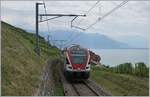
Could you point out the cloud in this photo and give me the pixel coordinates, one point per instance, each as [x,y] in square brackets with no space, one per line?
[131,19]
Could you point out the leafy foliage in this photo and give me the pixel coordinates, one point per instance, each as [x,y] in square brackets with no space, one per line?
[140,69]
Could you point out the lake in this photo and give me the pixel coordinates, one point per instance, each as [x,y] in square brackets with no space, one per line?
[113,57]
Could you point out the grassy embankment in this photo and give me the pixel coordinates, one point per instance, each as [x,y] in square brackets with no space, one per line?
[21,68]
[120,84]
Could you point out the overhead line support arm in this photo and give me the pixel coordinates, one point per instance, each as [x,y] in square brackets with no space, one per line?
[37,15]
[61,15]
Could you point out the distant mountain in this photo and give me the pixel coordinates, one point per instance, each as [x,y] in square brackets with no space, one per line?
[88,40]
[136,41]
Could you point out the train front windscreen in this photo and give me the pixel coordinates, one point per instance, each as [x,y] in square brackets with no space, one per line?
[79,57]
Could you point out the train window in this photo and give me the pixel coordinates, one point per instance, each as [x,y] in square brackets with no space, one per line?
[67,62]
[82,52]
[79,59]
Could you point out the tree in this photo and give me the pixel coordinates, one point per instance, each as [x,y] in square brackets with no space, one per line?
[141,69]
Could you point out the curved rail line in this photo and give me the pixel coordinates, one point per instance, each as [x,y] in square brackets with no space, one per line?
[82,89]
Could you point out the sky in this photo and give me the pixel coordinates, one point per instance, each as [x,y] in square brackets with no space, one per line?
[128,24]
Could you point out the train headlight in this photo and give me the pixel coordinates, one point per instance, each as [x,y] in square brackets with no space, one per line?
[69,67]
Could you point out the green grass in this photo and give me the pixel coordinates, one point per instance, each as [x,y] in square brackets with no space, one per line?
[58,85]
[21,68]
[120,84]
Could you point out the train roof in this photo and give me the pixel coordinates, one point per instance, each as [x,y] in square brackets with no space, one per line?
[74,47]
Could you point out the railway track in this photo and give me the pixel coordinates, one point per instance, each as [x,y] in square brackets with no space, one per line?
[82,88]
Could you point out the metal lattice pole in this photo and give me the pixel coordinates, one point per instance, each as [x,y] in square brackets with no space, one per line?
[37,49]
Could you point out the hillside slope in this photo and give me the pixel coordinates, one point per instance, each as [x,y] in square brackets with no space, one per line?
[21,68]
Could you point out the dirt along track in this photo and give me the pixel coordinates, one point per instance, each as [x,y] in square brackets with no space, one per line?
[45,88]
[50,79]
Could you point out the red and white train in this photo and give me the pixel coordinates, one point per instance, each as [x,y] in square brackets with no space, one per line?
[77,62]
